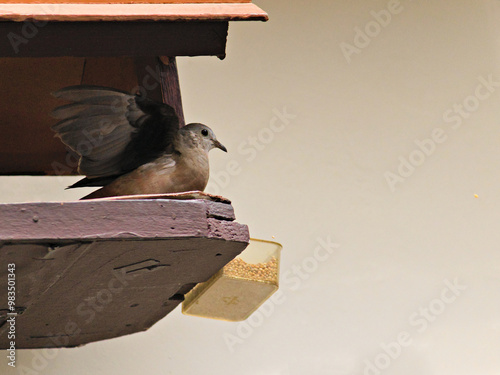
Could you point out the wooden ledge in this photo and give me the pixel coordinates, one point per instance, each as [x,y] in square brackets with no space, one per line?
[92,270]
[150,11]
[189,195]
[110,219]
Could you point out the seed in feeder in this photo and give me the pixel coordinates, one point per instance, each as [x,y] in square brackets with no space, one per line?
[264,272]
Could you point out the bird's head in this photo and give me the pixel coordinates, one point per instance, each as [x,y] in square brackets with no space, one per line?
[197,135]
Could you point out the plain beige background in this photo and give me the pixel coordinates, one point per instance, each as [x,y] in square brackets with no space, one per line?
[413,285]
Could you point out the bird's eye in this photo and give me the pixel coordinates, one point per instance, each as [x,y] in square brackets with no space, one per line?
[204,132]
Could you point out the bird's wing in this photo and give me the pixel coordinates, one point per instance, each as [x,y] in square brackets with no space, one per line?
[113,131]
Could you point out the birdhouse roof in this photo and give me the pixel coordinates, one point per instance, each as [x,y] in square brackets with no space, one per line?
[128,10]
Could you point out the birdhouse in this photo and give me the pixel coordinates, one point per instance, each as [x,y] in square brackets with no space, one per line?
[91,270]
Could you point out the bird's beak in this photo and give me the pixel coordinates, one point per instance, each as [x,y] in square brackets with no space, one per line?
[219,145]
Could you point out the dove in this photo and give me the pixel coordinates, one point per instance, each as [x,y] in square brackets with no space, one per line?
[130,145]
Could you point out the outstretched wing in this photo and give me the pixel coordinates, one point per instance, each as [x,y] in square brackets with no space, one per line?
[112,131]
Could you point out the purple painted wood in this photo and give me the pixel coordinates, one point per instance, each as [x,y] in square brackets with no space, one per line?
[93,270]
[219,211]
[109,219]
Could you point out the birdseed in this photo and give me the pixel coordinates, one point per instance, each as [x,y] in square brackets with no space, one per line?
[263,272]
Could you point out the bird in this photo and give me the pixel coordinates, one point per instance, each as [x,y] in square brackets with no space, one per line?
[130,144]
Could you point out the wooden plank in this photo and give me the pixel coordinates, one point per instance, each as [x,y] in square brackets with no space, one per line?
[73,294]
[219,211]
[27,143]
[131,12]
[116,219]
[170,87]
[117,72]
[93,270]
[148,71]
[91,39]
[159,80]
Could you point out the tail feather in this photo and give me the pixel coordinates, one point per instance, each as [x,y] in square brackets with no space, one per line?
[91,182]
[100,193]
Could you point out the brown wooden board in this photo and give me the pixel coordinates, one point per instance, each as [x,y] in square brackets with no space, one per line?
[167,88]
[113,38]
[134,11]
[93,270]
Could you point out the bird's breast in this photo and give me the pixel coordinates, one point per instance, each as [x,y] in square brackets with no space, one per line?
[164,175]
[192,170]
[189,171]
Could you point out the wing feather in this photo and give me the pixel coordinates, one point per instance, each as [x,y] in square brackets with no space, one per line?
[112,131]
